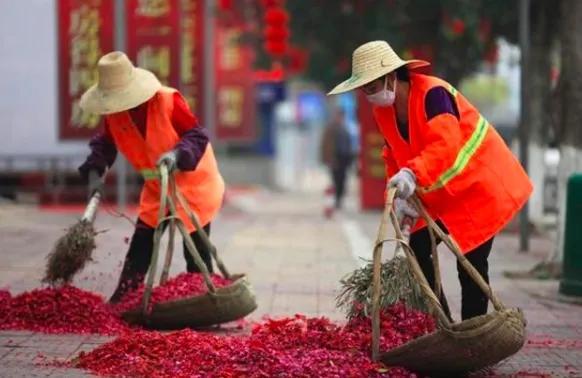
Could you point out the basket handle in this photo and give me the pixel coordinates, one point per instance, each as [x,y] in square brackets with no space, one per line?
[454,247]
[200,231]
[167,203]
[376,271]
[415,268]
[157,238]
[169,252]
[192,248]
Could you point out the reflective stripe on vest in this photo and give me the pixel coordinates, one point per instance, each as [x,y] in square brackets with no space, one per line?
[464,155]
[453,91]
[150,174]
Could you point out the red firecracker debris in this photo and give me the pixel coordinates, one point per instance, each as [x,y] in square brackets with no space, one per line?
[59,310]
[5,298]
[182,286]
[293,347]
[398,324]
[551,342]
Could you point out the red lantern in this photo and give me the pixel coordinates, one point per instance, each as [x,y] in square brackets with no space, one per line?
[276,16]
[458,27]
[297,59]
[276,33]
[276,48]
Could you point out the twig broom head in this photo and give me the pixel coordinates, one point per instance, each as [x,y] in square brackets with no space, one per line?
[70,253]
[398,285]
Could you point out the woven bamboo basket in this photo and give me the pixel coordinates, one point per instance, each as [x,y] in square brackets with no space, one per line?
[454,348]
[218,305]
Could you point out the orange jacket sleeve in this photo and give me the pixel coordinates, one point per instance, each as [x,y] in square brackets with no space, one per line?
[443,140]
[389,162]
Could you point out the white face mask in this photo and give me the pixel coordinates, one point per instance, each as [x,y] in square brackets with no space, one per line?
[384,97]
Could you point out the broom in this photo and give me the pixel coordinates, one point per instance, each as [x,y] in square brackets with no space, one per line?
[73,250]
[398,283]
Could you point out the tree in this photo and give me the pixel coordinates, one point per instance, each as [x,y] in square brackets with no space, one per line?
[544,33]
[568,107]
[566,116]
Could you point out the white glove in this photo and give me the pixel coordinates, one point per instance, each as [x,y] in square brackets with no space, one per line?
[404,209]
[170,159]
[405,183]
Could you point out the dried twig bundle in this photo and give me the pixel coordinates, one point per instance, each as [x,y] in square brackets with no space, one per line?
[70,253]
[398,285]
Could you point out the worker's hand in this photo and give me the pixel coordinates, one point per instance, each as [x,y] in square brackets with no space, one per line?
[403,210]
[405,183]
[96,183]
[170,159]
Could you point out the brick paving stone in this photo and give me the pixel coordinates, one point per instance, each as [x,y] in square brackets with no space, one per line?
[13,340]
[55,340]
[24,371]
[13,333]
[69,373]
[4,350]
[21,357]
[84,348]
[97,339]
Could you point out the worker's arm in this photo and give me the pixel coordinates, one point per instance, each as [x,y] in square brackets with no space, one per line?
[442,137]
[103,153]
[193,137]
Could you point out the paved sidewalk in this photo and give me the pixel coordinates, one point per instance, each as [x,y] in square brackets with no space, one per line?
[294,259]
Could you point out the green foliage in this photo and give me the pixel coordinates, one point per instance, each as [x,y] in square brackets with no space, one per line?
[454,32]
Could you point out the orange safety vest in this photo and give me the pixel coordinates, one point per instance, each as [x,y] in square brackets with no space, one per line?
[203,187]
[466,175]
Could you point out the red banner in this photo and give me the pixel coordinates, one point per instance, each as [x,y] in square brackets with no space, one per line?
[153,38]
[235,97]
[192,56]
[85,29]
[373,176]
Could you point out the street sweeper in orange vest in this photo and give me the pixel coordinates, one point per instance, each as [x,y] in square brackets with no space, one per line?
[440,147]
[151,125]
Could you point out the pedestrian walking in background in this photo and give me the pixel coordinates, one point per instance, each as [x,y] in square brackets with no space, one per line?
[337,153]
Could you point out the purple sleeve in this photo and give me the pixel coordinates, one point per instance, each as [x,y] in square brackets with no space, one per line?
[102,156]
[191,147]
[439,101]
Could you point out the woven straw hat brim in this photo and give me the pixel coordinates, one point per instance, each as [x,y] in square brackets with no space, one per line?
[141,88]
[359,80]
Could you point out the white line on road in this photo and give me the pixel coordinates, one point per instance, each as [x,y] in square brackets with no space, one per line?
[360,245]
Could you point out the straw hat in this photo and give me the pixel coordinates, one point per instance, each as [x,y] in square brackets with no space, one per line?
[371,61]
[121,86]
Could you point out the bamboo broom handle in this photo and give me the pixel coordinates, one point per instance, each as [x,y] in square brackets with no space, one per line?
[91,209]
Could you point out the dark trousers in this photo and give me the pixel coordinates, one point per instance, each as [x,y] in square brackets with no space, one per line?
[338,175]
[139,255]
[473,301]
